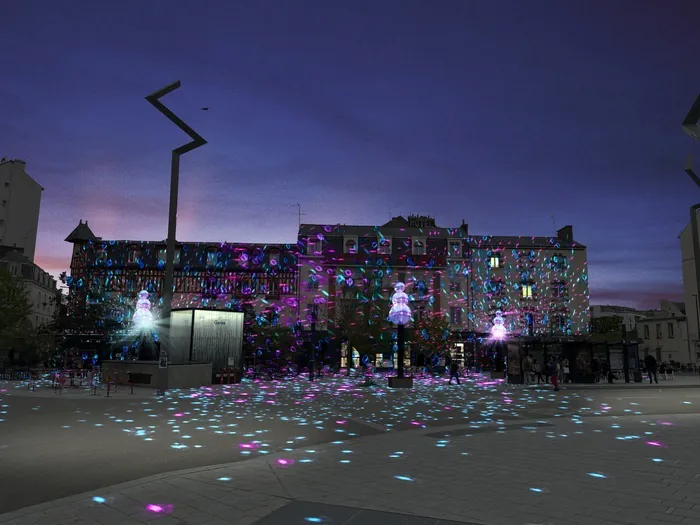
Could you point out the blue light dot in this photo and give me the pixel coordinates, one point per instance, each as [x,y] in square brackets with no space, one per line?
[99,499]
[535,489]
[597,475]
[403,478]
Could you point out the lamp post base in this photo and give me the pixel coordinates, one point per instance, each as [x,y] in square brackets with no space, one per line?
[400,382]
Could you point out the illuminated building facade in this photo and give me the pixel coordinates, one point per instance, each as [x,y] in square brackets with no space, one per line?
[218,276]
[539,284]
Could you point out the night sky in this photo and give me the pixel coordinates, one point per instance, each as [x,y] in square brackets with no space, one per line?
[512,115]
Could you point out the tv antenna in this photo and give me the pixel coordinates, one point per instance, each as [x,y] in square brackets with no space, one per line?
[299,214]
[554,221]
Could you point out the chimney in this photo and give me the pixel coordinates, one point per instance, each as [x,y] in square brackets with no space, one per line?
[465,227]
[566,234]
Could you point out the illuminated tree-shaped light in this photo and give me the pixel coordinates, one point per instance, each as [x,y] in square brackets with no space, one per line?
[400,312]
[143,318]
[498,331]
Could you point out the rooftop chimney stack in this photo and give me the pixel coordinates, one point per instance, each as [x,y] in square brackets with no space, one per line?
[566,234]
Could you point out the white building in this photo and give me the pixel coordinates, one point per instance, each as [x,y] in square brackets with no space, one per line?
[630,316]
[691,297]
[665,334]
[20,200]
[41,287]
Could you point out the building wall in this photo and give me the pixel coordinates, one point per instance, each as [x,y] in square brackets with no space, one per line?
[41,290]
[630,316]
[540,291]
[20,200]
[207,275]
[666,338]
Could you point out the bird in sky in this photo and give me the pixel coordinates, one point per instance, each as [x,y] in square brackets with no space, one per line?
[205,109]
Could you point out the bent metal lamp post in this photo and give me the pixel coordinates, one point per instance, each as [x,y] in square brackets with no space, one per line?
[197,141]
[400,314]
[691,128]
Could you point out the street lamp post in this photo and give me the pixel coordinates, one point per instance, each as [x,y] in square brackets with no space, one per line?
[196,142]
[400,314]
[691,128]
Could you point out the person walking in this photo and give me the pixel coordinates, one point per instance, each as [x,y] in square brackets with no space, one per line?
[537,371]
[454,372]
[554,374]
[567,371]
[650,361]
[527,370]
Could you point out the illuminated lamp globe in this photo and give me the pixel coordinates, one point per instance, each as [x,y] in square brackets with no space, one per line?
[143,318]
[400,312]
[498,331]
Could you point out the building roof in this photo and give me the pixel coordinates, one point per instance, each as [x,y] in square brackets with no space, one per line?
[11,255]
[82,232]
[401,227]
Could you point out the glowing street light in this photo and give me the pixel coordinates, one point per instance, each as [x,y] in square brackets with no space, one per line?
[400,314]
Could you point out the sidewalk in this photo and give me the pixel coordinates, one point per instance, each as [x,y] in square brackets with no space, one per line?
[44,389]
[598,471]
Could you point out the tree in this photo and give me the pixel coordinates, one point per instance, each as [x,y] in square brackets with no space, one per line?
[15,309]
[360,316]
[432,332]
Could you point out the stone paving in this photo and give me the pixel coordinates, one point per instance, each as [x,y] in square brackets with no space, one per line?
[629,470]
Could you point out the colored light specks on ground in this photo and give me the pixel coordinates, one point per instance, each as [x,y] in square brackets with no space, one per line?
[403,478]
[535,489]
[99,499]
[159,509]
[597,475]
[225,478]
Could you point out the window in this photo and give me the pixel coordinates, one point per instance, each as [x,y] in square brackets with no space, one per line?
[455,249]
[495,261]
[559,262]
[100,255]
[559,323]
[669,327]
[646,331]
[455,285]
[162,254]
[312,309]
[274,259]
[212,258]
[658,331]
[7,184]
[314,247]
[351,246]
[527,290]
[455,315]
[418,247]
[559,290]
[312,281]
[384,246]
[134,256]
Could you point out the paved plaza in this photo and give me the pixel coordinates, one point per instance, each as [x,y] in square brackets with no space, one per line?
[336,453]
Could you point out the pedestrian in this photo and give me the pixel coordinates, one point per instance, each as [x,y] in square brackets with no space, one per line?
[567,371]
[454,372]
[554,374]
[537,371]
[650,361]
[527,370]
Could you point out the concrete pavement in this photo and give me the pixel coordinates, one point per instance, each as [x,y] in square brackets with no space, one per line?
[632,470]
[55,447]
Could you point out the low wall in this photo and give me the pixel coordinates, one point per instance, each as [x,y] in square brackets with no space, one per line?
[148,374]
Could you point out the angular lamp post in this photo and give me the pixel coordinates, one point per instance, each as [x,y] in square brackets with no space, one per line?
[400,314]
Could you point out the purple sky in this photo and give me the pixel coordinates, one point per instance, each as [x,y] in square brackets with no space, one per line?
[504,113]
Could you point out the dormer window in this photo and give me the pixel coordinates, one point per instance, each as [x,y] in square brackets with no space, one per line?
[133,256]
[455,249]
[418,247]
[162,254]
[384,246]
[351,246]
[314,246]
[274,259]
[212,257]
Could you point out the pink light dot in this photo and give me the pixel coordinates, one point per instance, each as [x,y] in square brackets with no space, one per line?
[154,508]
[179,414]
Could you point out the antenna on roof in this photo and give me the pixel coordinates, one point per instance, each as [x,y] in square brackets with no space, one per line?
[554,221]
[298,206]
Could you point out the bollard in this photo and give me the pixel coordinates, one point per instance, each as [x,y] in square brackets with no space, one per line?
[132,387]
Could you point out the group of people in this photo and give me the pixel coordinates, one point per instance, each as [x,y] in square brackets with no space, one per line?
[556,371]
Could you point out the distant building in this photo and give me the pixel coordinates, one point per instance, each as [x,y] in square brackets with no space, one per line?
[20,201]
[691,296]
[540,284]
[665,334]
[208,275]
[630,316]
[41,287]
